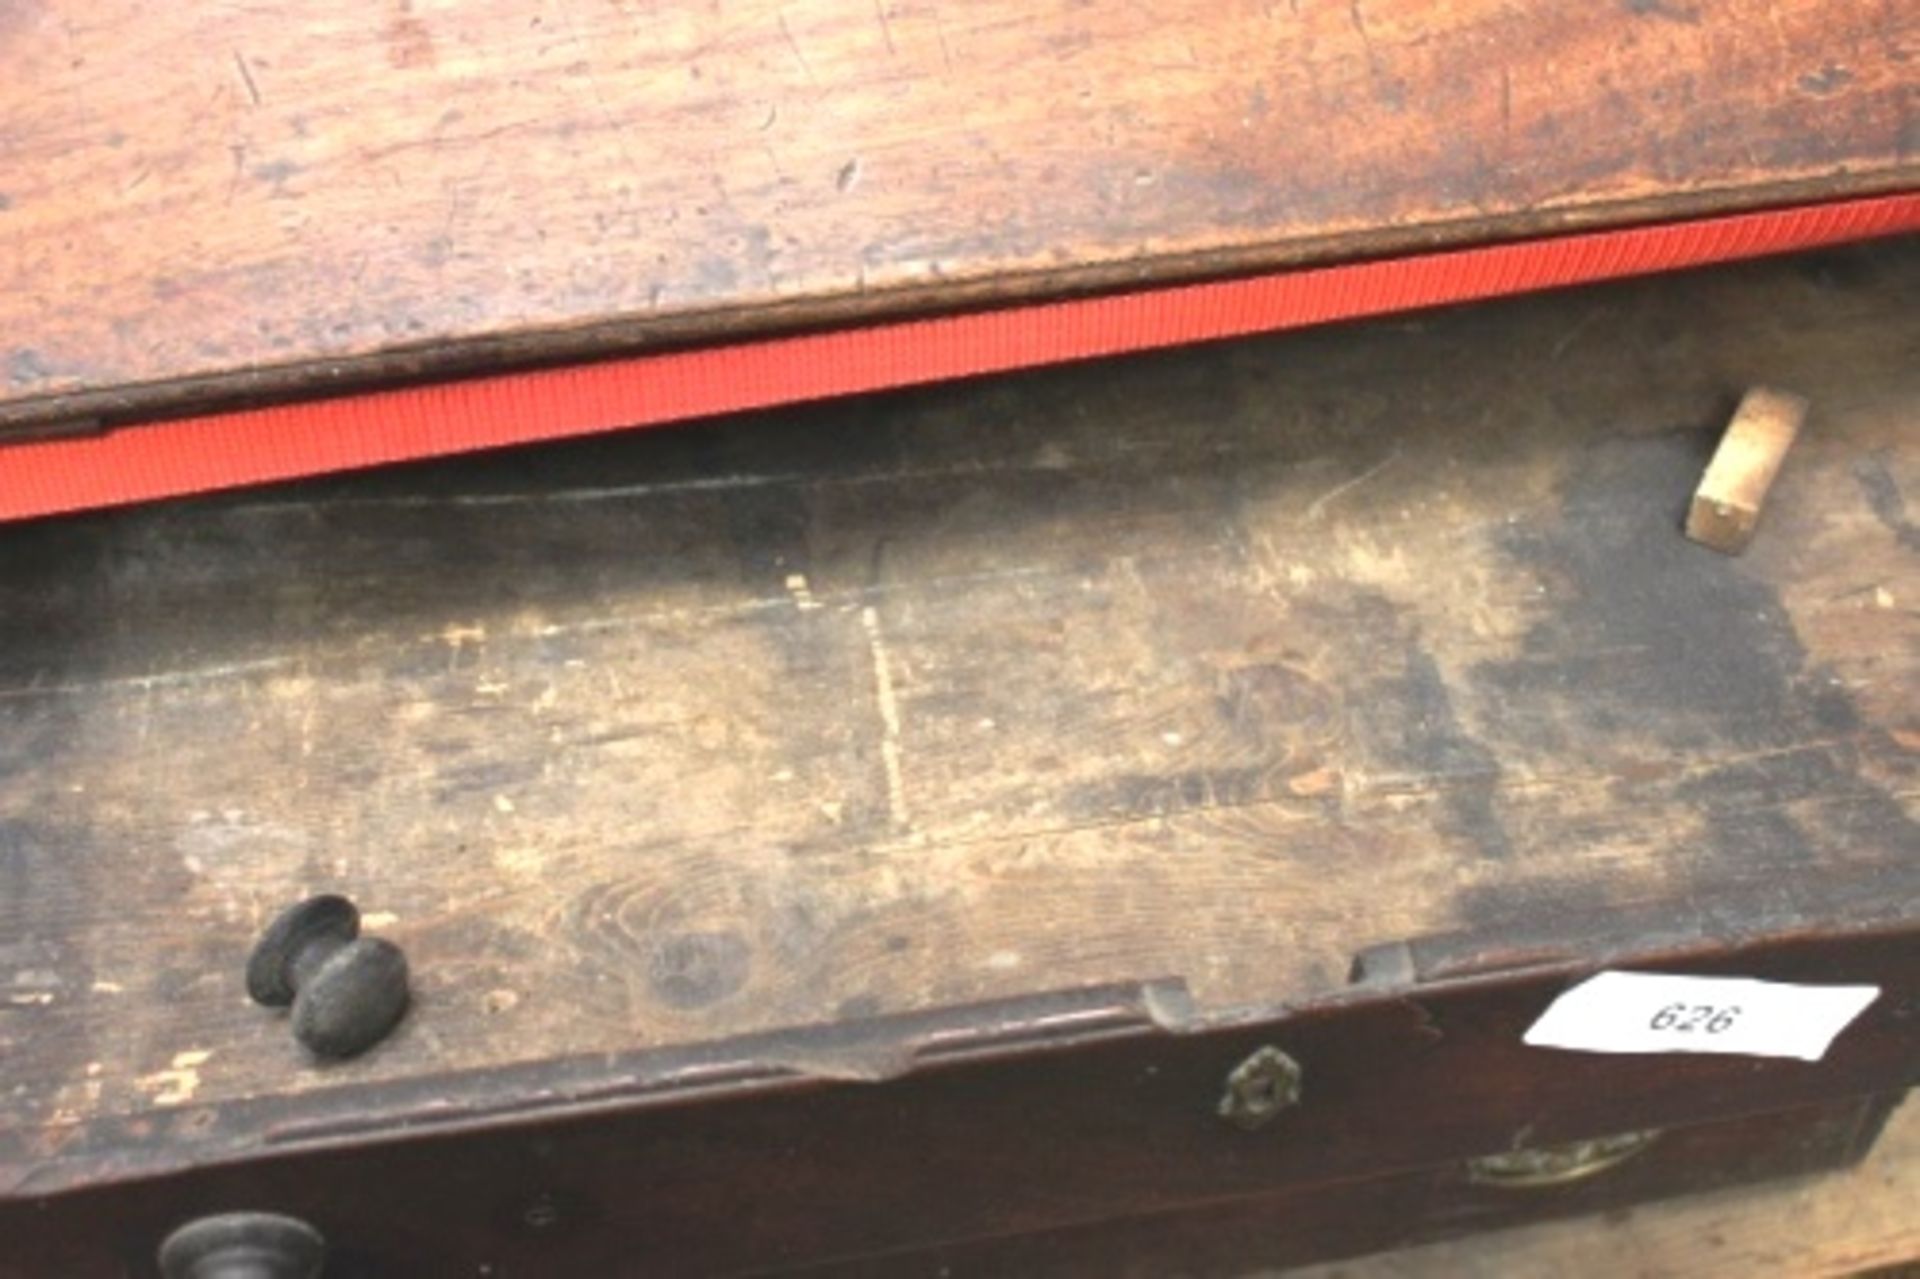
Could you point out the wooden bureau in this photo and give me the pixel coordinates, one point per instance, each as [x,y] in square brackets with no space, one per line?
[876,837]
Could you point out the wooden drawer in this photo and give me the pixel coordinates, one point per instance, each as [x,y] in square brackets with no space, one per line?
[1056,1114]
[1255,1234]
[877,835]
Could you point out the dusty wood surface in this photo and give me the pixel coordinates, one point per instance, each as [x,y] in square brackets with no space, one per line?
[198,202]
[1221,664]
[1824,1227]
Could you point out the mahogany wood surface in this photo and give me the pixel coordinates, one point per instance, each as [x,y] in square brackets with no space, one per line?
[200,203]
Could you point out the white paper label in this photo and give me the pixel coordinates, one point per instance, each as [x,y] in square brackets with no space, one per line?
[1661,1013]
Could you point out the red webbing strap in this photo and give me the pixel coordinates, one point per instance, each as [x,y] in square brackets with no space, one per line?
[224,450]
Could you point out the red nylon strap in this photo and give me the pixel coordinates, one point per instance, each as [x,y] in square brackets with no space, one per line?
[225,450]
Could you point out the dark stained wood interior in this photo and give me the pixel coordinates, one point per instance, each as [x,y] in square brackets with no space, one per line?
[199,203]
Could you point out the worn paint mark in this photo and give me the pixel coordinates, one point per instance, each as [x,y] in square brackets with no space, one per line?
[801,592]
[457,636]
[179,1082]
[889,717]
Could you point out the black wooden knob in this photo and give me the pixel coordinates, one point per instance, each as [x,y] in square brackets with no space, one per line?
[347,991]
[243,1245]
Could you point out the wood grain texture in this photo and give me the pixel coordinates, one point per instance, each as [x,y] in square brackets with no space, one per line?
[1828,1227]
[201,203]
[1221,664]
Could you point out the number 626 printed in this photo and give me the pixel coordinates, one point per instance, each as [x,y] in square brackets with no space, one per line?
[1627,1012]
[1685,1019]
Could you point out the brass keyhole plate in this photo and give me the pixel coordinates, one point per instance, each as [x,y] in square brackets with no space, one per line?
[1259,1088]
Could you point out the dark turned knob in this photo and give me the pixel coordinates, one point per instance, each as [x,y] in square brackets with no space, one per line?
[243,1245]
[347,991]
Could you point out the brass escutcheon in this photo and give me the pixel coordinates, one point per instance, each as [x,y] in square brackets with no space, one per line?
[1260,1088]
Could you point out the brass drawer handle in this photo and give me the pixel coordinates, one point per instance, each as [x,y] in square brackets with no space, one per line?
[1540,1166]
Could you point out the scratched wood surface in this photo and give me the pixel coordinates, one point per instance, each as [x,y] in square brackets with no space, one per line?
[199,202]
[1219,664]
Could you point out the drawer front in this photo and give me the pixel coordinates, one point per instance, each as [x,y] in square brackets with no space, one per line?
[1232,1240]
[905,1133]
